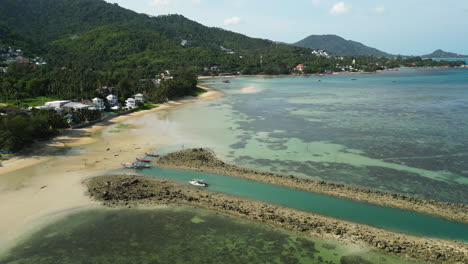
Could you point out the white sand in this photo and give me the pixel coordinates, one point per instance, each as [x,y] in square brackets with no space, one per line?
[34,188]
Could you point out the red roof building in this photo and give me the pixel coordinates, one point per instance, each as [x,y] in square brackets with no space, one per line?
[299,67]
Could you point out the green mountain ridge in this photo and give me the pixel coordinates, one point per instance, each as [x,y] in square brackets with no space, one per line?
[53,21]
[339,46]
[94,34]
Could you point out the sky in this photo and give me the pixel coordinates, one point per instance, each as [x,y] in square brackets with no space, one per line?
[407,27]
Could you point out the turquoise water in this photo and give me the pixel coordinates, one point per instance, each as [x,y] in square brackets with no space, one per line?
[378,216]
[177,235]
[452,59]
[400,131]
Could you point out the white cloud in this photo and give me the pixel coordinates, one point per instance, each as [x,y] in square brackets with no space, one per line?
[159,3]
[380,9]
[340,8]
[232,21]
[197,1]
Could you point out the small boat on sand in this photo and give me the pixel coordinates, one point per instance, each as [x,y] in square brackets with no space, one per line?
[136,165]
[143,160]
[127,166]
[152,155]
[198,183]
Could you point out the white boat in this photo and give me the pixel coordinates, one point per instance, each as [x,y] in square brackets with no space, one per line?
[198,183]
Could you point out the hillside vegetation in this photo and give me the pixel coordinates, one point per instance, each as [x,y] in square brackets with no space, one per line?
[444,54]
[91,43]
[339,46]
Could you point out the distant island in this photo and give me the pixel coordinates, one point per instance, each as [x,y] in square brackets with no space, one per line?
[444,55]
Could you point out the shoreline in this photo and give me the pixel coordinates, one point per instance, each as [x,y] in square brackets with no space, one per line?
[128,191]
[206,161]
[49,180]
[324,74]
[40,151]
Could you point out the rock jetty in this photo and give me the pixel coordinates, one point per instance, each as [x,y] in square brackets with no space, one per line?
[125,190]
[205,160]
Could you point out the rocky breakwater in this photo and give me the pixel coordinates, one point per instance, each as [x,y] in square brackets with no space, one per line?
[130,191]
[206,161]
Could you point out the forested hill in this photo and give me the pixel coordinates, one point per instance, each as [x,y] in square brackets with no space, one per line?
[444,54]
[94,34]
[43,22]
[339,46]
[46,20]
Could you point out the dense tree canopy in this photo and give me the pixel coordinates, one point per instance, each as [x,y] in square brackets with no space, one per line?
[89,44]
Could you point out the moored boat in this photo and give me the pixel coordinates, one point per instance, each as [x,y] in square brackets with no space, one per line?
[136,165]
[152,155]
[127,166]
[143,160]
[198,183]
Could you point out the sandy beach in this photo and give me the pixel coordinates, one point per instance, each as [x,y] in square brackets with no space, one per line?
[49,181]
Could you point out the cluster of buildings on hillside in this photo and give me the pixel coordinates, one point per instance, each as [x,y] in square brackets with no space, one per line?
[228,51]
[321,53]
[10,55]
[351,68]
[96,104]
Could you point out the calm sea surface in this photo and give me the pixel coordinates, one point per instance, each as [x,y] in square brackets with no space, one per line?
[403,131]
[452,59]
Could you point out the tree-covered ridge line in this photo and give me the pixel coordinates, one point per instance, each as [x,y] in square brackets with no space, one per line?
[54,24]
[339,46]
[95,34]
[89,44]
[444,54]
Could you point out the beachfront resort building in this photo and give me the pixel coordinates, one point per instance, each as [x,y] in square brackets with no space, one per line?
[139,97]
[130,103]
[57,104]
[77,106]
[99,104]
[113,100]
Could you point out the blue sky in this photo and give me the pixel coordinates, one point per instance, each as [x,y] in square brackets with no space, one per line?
[410,27]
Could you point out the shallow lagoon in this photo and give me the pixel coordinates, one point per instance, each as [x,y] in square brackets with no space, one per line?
[401,131]
[177,235]
[392,219]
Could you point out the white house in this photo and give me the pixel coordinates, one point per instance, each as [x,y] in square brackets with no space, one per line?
[99,104]
[130,103]
[112,99]
[139,97]
[57,104]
